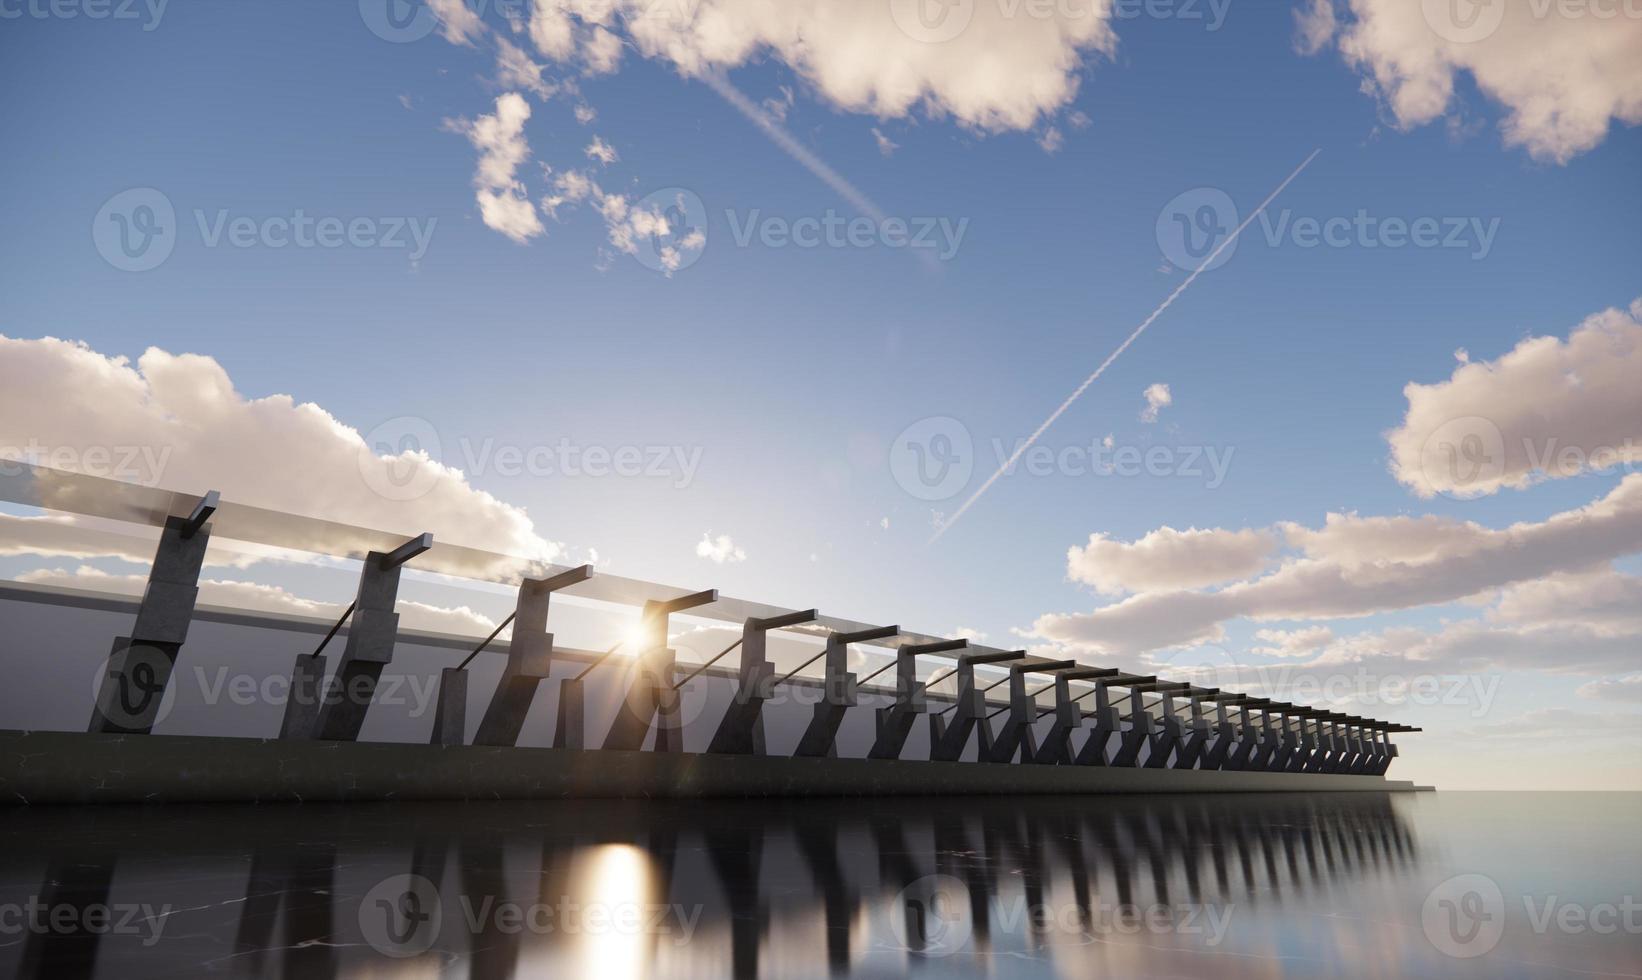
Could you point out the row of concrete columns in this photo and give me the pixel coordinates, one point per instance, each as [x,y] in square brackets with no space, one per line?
[1246,733]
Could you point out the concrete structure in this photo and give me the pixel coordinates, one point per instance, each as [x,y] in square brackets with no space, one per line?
[895,722]
[652,698]
[337,712]
[139,666]
[840,691]
[741,732]
[1017,738]
[529,658]
[949,737]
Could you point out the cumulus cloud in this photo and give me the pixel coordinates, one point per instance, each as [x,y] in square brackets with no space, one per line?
[269,599]
[601,151]
[458,23]
[719,550]
[1157,399]
[1548,408]
[1169,559]
[515,70]
[500,140]
[886,146]
[271,452]
[1355,566]
[998,72]
[1293,643]
[1562,78]
[1627,689]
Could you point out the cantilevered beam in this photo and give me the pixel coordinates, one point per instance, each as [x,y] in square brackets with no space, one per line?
[895,722]
[741,731]
[651,697]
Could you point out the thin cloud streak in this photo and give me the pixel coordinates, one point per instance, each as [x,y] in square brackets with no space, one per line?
[1074,396]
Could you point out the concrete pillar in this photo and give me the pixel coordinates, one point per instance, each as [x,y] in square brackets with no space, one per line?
[1197,736]
[139,667]
[1139,733]
[1243,750]
[651,698]
[372,631]
[741,730]
[1094,751]
[569,724]
[451,714]
[1057,745]
[1018,737]
[1270,738]
[839,693]
[529,659]
[894,723]
[1167,736]
[949,737]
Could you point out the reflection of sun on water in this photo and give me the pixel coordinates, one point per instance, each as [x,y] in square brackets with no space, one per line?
[618,882]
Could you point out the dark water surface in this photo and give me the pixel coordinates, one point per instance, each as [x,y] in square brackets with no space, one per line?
[1405,885]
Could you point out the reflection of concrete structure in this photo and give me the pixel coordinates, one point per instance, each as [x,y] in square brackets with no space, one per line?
[1150,741]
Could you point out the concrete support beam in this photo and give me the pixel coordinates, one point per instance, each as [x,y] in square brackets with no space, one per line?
[1018,737]
[839,693]
[741,730]
[372,630]
[949,737]
[529,659]
[138,671]
[450,715]
[651,697]
[1250,734]
[1107,723]
[1056,749]
[1169,732]
[1196,734]
[895,722]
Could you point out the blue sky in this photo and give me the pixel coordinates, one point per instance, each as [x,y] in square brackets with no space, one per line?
[793,370]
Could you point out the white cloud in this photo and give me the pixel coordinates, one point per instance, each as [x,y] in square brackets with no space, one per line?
[777,106]
[1314,26]
[1356,566]
[1627,689]
[515,70]
[268,452]
[1052,140]
[601,151]
[1293,643]
[966,633]
[585,114]
[999,73]
[458,23]
[1546,409]
[886,146]
[1541,723]
[1563,78]
[884,523]
[269,599]
[1170,559]
[1157,399]
[500,141]
[720,549]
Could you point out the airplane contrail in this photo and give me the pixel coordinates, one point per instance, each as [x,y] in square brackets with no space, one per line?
[1092,378]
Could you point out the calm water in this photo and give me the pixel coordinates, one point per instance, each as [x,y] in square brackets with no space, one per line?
[1451,884]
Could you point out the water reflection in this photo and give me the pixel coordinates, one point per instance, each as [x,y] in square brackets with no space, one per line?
[1039,887]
